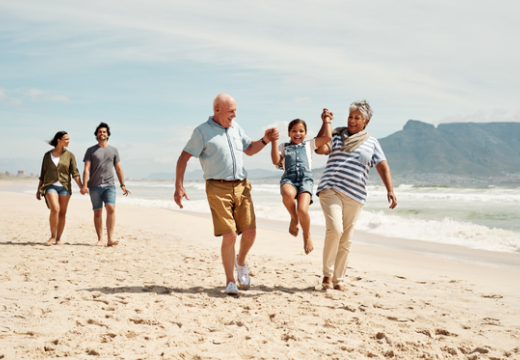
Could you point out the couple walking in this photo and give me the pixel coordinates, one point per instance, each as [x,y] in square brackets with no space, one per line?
[59,166]
[220,143]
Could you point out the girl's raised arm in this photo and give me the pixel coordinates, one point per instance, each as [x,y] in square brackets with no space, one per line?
[325,134]
[275,155]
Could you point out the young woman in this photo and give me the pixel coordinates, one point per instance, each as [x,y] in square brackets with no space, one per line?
[58,166]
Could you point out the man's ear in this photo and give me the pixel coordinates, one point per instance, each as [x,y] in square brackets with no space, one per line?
[217,108]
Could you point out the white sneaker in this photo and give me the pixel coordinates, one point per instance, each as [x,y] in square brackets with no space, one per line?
[231,289]
[242,276]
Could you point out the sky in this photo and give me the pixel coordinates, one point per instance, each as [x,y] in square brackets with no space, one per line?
[151,70]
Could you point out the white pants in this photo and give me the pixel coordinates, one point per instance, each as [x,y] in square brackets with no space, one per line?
[341,214]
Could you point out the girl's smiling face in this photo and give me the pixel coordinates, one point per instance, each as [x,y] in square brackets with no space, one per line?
[297,133]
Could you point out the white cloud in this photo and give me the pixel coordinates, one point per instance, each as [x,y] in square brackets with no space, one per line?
[41,95]
[302,100]
[58,98]
[15,101]
[438,61]
[34,92]
[496,115]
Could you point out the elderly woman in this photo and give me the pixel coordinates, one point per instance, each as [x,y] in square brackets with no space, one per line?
[342,189]
[58,166]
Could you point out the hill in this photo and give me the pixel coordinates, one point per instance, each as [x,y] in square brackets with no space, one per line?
[464,149]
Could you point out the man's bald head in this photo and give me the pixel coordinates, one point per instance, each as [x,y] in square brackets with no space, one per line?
[224,110]
[222,99]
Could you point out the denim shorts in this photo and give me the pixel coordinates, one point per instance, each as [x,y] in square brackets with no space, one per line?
[102,194]
[60,190]
[302,181]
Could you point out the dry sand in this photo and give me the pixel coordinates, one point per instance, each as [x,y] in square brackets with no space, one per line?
[159,295]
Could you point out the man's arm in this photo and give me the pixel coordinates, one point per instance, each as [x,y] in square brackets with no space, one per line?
[180,192]
[86,177]
[258,145]
[384,172]
[119,172]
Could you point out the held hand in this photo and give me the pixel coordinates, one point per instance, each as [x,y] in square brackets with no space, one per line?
[83,190]
[126,192]
[326,115]
[178,195]
[392,200]
[268,135]
[272,134]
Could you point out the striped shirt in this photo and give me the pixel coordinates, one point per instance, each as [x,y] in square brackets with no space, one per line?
[348,173]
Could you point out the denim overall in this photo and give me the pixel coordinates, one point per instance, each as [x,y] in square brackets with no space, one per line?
[297,172]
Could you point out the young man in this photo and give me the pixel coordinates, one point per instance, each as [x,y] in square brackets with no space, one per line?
[100,160]
[220,143]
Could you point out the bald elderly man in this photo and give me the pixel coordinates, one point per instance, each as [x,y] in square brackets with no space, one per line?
[219,144]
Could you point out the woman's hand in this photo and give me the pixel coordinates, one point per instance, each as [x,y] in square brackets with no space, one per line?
[326,115]
[38,195]
[392,200]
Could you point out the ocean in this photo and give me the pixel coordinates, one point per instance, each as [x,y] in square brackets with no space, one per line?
[478,217]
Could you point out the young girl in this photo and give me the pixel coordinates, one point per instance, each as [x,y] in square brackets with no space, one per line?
[297,182]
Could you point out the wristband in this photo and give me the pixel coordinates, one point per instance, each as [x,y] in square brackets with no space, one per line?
[123,185]
[263,141]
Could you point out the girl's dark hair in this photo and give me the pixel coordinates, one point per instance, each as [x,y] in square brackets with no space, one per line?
[102,125]
[59,135]
[297,121]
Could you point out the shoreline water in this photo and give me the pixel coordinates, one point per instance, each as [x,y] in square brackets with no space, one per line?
[448,252]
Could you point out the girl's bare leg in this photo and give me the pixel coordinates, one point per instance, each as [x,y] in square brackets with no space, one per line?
[288,196]
[64,203]
[54,205]
[304,200]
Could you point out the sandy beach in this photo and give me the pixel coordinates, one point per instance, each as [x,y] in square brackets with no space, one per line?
[159,294]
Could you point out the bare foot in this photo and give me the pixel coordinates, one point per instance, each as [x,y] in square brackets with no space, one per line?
[49,242]
[58,242]
[339,287]
[99,243]
[293,227]
[307,244]
[326,283]
[115,243]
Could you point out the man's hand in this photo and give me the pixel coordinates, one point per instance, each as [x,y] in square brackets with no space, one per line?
[126,192]
[272,134]
[178,195]
[83,190]
[326,115]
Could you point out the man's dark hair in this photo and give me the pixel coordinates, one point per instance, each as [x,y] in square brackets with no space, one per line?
[102,125]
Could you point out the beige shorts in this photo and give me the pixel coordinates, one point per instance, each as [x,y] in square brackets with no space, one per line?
[231,206]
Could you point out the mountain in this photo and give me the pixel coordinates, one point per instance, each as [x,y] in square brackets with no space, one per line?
[474,149]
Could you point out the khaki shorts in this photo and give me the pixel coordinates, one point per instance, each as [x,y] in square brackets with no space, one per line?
[231,206]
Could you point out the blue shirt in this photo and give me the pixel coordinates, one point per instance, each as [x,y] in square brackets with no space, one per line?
[220,151]
[348,173]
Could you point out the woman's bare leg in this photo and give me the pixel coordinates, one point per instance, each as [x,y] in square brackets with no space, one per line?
[64,203]
[54,206]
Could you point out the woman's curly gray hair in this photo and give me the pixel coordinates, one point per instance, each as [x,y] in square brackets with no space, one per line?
[364,108]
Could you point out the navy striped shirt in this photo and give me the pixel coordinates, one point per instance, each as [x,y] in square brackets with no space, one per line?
[348,173]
